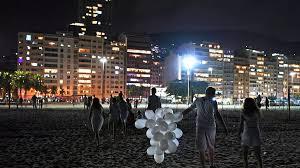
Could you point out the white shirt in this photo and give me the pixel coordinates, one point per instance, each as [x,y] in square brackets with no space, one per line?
[205,112]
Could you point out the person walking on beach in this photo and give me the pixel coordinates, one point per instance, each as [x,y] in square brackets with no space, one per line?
[84,102]
[96,118]
[34,101]
[41,103]
[153,101]
[130,119]
[136,102]
[114,114]
[258,101]
[89,102]
[123,112]
[207,111]
[250,132]
[267,102]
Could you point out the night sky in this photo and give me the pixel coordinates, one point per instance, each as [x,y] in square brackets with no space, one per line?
[277,19]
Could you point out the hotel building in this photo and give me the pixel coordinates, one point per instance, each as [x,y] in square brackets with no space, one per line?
[75,65]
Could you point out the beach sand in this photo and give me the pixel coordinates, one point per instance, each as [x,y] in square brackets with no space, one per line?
[61,138]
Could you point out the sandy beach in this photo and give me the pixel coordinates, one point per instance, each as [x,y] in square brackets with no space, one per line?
[61,138]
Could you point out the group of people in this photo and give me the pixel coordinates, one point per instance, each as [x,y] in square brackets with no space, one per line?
[207,112]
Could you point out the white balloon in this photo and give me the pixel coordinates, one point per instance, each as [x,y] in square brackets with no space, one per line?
[150,114]
[172,147]
[151,150]
[150,123]
[153,142]
[149,133]
[178,117]
[170,136]
[176,142]
[163,126]
[159,158]
[158,151]
[158,113]
[140,123]
[158,136]
[178,133]
[169,118]
[163,144]
[168,110]
[172,126]
[155,129]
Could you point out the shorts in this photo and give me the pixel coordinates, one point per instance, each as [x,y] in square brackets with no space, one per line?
[205,138]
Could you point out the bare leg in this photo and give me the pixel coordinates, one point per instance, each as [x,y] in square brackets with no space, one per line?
[245,153]
[202,158]
[211,153]
[257,151]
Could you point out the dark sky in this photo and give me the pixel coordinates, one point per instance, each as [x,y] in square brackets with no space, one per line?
[275,18]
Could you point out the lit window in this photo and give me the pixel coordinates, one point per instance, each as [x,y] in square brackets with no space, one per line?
[28,47]
[28,53]
[40,48]
[28,58]
[40,38]
[94,22]
[99,23]
[117,72]
[34,64]
[51,43]
[61,81]
[62,45]
[28,37]
[99,5]
[84,70]
[117,67]
[116,49]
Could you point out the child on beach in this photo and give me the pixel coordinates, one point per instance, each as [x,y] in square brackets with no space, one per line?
[249,131]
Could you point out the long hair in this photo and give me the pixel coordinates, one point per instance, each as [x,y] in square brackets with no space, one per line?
[250,107]
[96,104]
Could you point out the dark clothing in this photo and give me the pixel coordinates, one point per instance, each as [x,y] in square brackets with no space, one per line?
[153,102]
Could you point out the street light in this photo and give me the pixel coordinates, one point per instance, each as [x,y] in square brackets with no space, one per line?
[189,62]
[103,60]
[210,70]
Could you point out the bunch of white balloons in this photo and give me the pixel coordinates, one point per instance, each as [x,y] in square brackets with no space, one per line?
[162,132]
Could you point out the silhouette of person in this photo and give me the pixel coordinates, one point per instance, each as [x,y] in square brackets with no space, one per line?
[34,99]
[267,102]
[41,103]
[153,101]
[130,119]
[258,101]
[85,101]
[114,114]
[96,118]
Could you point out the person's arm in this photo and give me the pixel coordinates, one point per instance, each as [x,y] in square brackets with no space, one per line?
[220,118]
[191,108]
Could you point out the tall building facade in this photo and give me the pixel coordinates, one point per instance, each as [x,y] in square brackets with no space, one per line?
[144,69]
[210,65]
[94,18]
[76,66]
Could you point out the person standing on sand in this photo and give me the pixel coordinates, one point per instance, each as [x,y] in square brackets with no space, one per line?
[84,102]
[207,111]
[34,99]
[153,101]
[267,102]
[249,131]
[96,118]
[114,110]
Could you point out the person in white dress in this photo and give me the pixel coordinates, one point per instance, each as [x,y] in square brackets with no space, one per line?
[249,131]
[96,118]
[207,111]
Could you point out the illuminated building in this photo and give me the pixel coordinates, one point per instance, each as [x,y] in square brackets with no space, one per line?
[211,66]
[144,70]
[293,76]
[74,64]
[94,18]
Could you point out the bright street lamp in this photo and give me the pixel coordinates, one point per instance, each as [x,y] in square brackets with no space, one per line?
[103,60]
[210,70]
[189,62]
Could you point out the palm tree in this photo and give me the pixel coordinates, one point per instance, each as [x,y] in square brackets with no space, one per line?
[28,84]
[18,81]
[5,83]
[62,92]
